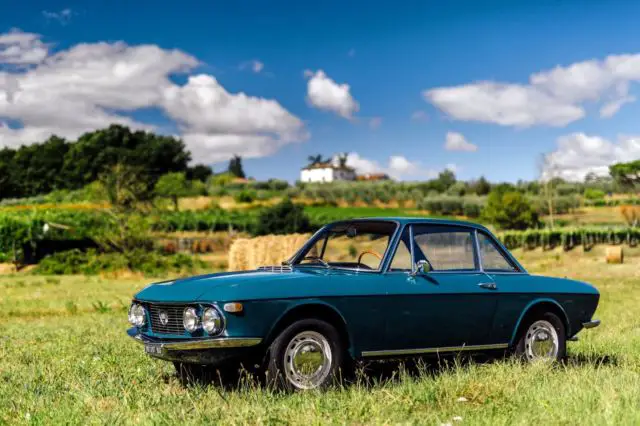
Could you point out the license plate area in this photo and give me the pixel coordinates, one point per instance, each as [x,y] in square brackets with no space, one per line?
[153,349]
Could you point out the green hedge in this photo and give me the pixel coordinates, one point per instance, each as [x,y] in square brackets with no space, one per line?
[569,238]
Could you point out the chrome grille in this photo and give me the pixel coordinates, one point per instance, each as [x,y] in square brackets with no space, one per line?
[174,316]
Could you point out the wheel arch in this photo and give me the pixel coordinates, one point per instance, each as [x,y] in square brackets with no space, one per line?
[311,309]
[536,306]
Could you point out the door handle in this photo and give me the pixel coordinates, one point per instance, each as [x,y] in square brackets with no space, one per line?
[488,286]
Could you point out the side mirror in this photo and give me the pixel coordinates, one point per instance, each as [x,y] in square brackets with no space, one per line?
[422,268]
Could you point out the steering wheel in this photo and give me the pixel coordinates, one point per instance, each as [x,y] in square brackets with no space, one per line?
[371,252]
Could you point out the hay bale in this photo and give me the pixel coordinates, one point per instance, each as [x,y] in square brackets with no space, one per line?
[614,254]
[250,253]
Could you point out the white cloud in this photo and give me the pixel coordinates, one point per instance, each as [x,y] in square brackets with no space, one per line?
[220,123]
[325,94]
[401,166]
[610,109]
[398,167]
[21,49]
[553,97]
[351,53]
[419,116]
[578,154]
[504,104]
[254,65]
[63,17]
[363,165]
[457,142]
[90,86]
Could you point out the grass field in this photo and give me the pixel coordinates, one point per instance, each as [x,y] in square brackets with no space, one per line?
[64,358]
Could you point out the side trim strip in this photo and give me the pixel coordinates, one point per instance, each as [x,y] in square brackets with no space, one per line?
[435,350]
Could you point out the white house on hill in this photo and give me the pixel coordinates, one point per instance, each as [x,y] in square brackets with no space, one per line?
[327,171]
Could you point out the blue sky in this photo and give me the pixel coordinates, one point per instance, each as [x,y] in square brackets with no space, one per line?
[414,69]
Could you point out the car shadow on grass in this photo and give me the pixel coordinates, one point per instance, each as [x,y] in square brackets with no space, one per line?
[593,359]
[373,374]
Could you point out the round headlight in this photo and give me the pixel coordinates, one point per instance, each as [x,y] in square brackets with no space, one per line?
[212,321]
[137,315]
[190,319]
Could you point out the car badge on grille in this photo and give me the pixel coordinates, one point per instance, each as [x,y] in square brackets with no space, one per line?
[164,317]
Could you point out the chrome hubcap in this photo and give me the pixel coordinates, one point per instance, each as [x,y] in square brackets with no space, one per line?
[541,341]
[307,360]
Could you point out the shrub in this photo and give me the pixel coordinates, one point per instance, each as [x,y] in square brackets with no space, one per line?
[442,205]
[282,218]
[245,196]
[92,263]
[510,210]
[593,194]
[472,208]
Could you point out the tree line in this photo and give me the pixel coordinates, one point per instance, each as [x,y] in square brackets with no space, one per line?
[57,163]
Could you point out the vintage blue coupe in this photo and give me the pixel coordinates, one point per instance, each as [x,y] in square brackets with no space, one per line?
[359,289]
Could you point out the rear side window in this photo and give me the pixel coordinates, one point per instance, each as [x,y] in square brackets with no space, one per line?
[491,256]
[446,249]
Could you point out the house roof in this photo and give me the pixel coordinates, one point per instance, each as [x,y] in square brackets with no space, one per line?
[328,166]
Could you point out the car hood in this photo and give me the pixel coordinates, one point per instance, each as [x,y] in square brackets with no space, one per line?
[236,286]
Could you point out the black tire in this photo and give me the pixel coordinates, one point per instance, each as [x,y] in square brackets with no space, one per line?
[277,375]
[521,349]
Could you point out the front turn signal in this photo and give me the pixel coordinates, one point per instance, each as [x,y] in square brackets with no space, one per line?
[234,307]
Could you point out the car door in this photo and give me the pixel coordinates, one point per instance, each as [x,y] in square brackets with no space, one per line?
[452,305]
[513,287]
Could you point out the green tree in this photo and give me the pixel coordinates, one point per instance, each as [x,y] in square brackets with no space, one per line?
[150,154]
[173,186]
[627,175]
[458,189]
[34,169]
[445,179]
[123,187]
[7,179]
[481,186]
[510,210]
[283,218]
[199,172]
[235,167]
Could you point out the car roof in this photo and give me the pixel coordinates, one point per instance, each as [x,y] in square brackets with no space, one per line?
[402,220]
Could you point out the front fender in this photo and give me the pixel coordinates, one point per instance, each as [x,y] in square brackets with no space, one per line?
[532,305]
[315,308]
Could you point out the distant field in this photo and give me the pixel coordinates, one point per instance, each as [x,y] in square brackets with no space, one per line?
[329,213]
[64,358]
[595,216]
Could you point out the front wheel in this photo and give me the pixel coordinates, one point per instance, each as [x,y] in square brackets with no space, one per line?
[544,338]
[306,355]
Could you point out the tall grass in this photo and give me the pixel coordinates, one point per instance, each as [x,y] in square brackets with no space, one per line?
[64,359]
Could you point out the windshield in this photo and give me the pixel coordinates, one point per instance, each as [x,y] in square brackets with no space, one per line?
[360,245]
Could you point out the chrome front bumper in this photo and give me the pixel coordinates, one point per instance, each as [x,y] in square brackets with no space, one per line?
[591,324]
[192,350]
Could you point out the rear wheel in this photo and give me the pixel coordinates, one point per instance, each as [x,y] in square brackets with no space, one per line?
[543,338]
[308,354]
